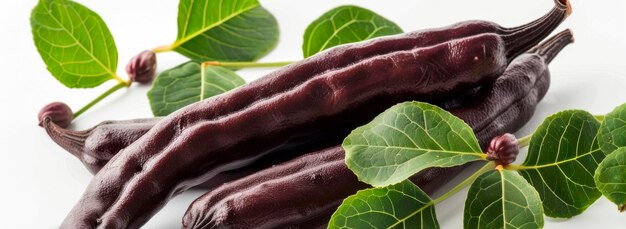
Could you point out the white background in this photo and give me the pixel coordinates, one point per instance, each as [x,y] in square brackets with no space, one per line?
[41,182]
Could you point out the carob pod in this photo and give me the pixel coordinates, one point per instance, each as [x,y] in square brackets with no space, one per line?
[321,178]
[76,142]
[290,193]
[95,146]
[197,142]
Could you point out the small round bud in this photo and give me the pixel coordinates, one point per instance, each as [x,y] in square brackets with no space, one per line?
[142,67]
[59,113]
[503,149]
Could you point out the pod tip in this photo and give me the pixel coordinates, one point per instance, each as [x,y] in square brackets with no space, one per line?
[572,37]
[567,5]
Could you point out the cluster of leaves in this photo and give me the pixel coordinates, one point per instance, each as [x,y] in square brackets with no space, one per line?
[80,52]
[565,170]
[610,177]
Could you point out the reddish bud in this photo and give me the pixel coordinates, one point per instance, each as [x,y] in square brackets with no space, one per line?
[503,149]
[142,67]
[59,113]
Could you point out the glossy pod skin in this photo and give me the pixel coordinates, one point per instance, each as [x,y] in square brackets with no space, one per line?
[304,190]
[94,158]
[95,146]
[203,139]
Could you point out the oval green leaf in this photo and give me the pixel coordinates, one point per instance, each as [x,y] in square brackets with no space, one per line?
[562,158]
[403,205]
[612,133]
[185,84]
[502,199]
[224,30]
[610,177]
[406,139]
[74,42]
[345,24]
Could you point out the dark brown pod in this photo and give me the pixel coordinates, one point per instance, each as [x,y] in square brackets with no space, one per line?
[94,147]
[56,112]
[284,195]
[235,202]
[142,67]
[503,149]
[233,129]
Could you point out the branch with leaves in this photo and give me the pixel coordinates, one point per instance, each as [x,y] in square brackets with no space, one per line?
[216,36]
[85,56]
[565,170]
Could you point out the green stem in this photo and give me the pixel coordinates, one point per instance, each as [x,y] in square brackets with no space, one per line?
[120,80]
[164,48]
[465,183]
[600,118]
[247,64]
[524,141]
[99,98]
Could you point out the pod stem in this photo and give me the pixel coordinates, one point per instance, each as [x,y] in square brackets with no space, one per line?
[518,40]
[70,140]
[551,48]
[101,97]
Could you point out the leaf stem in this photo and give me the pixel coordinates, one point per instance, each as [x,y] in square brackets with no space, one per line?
[600,118]
[524,141]
[120,80]
[102,96]
[164,48]
[465,183]
[246,64]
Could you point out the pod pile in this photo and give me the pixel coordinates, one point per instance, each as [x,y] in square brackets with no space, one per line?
[298,116]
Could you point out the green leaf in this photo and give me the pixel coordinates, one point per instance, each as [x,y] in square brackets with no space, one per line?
[612,133]
[185,84]
[74,42]
[403,205]
[562,158]
[502,199]
[345,24]
[406,139]
[224,30]
[610,177]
